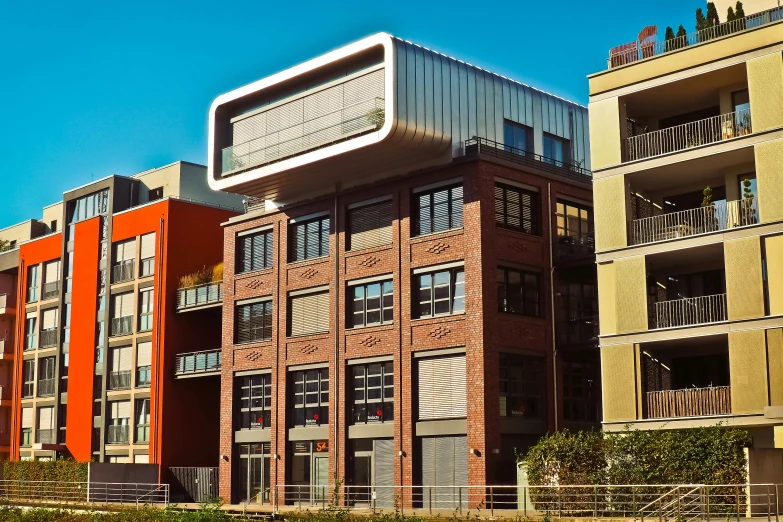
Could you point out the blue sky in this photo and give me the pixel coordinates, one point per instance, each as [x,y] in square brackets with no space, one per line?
[90,89]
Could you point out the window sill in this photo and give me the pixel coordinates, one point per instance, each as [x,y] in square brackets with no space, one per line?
[439,316]
[302,261]
[310,334]
[430,235]
[257,271]
[366,326]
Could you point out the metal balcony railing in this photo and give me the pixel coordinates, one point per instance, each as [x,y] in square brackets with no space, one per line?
[46,436]
[120,380]
[198,362]
[199,295]
[355,118]
[122,325]
[252,203]
[689,135]
[634,52]
[691,402]
[45,387]
[509,153]
[571,332]
[123,271]
[118,434]
[50,290]
[722,215]
[48,338]
[575,247]
[690,311]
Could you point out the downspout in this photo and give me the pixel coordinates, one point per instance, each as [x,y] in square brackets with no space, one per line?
[21,318]
[552,300]
[159,362]
[337,288]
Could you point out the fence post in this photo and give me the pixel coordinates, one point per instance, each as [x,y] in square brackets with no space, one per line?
[595,501]
[491,502]
[525,492]
[738,501]
[459,498]
[429,490]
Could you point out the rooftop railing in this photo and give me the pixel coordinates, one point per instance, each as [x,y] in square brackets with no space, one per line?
[195,363]
[200,295]
[690,402]
[509,153]
[690,311]
[689,135]
[634,52]
[721,215]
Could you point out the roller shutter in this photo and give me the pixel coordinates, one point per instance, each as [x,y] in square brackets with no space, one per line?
[49,319]
[123,305]
[144,354]
[121,359]
[52,272]
[442,389]
[120,410]
[27,417]
[46,418]
[371,226]
[148,246]
[384,473]
[125,251]
[310,313]
[445,472]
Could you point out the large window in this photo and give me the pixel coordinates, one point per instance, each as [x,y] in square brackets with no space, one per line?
[437,210]
[573,220]
[373,392]
[254,250]
[308,239]
[118,430]
[146,305]
[147,255]
[48,327]
[370,225]
[46,373]
[121,365]
[516,136]
[142,420]
[143,364]
[519,292]
[30,337]
[556,150]
[311,397]
[309,313]
[255,401]
[373,303]
[580,391]
[28,378]
[517,209]
[124,260]
[51,287]
[33,283]
[253,322]
[440,292]
[521,386]
[122,314]
[27,427]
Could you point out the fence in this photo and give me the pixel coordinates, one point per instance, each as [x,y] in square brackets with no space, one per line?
[17,491]
[195,484]
[691,402]
[199,295]
[690,310]
[516,155]
[122,325]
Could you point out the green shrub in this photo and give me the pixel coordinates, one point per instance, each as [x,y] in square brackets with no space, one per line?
[52,471]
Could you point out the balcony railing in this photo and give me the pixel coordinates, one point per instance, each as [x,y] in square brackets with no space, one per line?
[198,362]
[48,338]
[123,271]
[634,52]
[571,332]
[119,380]
[689,135]
[51,290]
[509,153]
[200,295]
[691,402]
[349,120]
[118,434]
[252,203]
[575,247]
[690,311]
[45,387]
[722,215]
[45,436]
[122,325]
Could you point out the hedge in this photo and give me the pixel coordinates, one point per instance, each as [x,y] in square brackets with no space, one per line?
[52,471]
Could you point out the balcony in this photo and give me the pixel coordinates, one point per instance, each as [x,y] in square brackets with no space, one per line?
[118,434]
[690,311]
[691,402]
[577,332]
[207,295]
[120,380]
[198,364]
[50,290]
[6,304]
[45,387]
[122,272]
[122,325]
[636,51]
[47,436]
[48,338]
[688,135]
[721,215]
[573,248]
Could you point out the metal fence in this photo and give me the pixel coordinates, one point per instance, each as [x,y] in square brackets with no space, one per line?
[122,271]
[122,325]
[690,402]
[119,380]
[118,434]
[195,484]
[198,362]
[507,152]
[690,310]
[199,295]
[16,491]
[50,290]
[721,215]
[49,337]
[688,135]
[45,387]
[634,52]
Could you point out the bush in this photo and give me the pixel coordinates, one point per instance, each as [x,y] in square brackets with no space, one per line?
[51,471]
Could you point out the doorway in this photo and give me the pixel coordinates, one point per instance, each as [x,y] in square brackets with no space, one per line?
[309,472]
[254,464]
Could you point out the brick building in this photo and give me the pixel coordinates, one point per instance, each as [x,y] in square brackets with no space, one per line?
[410,296]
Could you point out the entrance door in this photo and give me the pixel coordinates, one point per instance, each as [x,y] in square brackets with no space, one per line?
[321,478]
[362,479]
[254,473]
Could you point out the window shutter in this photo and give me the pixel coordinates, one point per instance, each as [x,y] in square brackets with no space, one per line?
[52,272]
[45,418]
[27,417]
[126,250]
[148,246]
[461,464]
[442,390]
[121,359]
[310,314]
[500,210]
[123,305]
[50,319]
[123,409]
[144,354]
[371,226]
[384,472]
[456,207]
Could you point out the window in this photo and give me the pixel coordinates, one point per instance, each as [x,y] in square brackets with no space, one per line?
[118,431]
[142,420]
[46,371]
[48,327]
[253,322]
[254,251]
[740,100]
[580,391]
[45,433]
[517,209]
[311,397]
[146,305]
[441,292]
[147,255]
[27,427]
[124,257]
[30,325]
[521,386]
[28,379]
[519,292]
[155,194]
[556,150]
[442,387]
[517,137]
[580,300]
[373,392]
[121,365]
[573,220]
[309,313]
[437,210]
[51,287]
[53,226]
[373,303]
[370,225]
[308,239]
[255,401]
[122,314]
[32,283]
[143,364]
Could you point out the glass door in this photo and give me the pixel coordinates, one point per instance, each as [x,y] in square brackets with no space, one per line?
[362,479]
[321,476]
[254,474]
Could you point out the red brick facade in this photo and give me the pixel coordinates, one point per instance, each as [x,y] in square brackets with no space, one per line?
[481,330]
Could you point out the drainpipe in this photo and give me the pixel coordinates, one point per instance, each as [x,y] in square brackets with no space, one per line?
[158,333]
[552,299]
[21,319]
[337,288]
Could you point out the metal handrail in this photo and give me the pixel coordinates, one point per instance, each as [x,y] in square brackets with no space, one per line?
[198,295]
[721,215]
[495,148]
[575,246]
[50,290]
[48,338]
[198,362]
[689,311]
[83,493]
[688,402]
[635,52]
[688,135]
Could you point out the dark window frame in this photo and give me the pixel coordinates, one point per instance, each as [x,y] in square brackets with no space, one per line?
[521,386]
[365,410]
[563,230]
[522,304]
[385,307]
[456,295]
[263,313]
[248,408]
[502,209]
[247,262]
[588,401]
[305,413]
[455,205]
[295,231]
[566,147]
[28,378]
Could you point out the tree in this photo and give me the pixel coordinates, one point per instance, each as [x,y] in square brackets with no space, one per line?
[4,245]
[681,32]
[713,20]
[701,22]
[730,16]
[738,11]
[670,44]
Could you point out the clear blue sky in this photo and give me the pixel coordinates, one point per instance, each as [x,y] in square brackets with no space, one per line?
[90,89]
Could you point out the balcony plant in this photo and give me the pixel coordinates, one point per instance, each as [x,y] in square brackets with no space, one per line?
[376,117]
[710,217]
[748,213]
[192,284]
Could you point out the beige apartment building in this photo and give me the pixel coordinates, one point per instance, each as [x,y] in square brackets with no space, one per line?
[687,154]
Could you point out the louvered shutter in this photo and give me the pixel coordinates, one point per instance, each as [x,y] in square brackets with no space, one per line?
[27,417]
[49,319]
[148,246]
[45,418]
[456,206]
[123,409]
[442,390]
[123,305]
[371,226]
[52,272]
[461,463]
[144,354]
[384,472]
[310,313]
[121,359]
[500,206]
[428,461]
